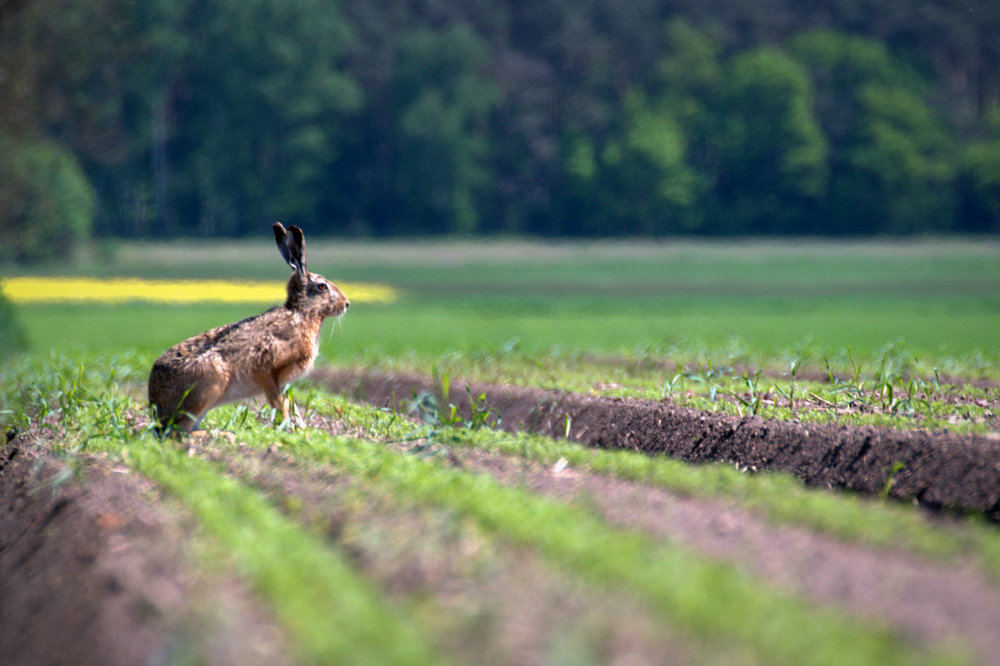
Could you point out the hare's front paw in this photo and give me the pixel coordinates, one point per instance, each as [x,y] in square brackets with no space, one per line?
[203,437]
[293,421]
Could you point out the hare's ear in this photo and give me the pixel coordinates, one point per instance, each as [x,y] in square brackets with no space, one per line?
[292,246]
[299,246]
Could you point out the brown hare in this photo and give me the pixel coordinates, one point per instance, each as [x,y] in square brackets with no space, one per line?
[260,354]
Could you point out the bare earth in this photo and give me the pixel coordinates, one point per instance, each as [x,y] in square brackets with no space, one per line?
[97,567]
[938,469]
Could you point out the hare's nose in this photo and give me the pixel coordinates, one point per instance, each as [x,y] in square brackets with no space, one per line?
[347,304]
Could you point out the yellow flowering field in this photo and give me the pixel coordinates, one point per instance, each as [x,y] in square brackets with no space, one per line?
[117,290]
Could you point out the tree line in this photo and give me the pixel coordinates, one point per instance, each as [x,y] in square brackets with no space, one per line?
[410,117]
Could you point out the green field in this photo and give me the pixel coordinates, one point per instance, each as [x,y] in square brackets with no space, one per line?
[935,299]
[406,537]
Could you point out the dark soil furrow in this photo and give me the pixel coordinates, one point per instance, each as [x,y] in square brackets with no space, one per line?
[938,469]
[93,570]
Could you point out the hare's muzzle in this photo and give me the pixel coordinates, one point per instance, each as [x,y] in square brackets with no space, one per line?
[338,302]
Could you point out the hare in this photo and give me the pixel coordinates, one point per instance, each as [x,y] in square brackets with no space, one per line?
[260,354]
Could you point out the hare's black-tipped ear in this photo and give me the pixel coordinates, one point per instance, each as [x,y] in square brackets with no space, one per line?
[292,245]
[299,239]
[279,233]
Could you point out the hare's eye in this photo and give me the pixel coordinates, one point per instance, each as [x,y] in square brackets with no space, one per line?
[321,286]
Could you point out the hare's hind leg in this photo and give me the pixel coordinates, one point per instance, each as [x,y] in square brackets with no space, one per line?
[184,412]
[203,398]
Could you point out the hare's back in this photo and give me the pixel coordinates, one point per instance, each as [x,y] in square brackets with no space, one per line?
[238,337]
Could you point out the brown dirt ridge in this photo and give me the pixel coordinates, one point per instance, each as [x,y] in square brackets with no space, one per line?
[936,469]
[94,570]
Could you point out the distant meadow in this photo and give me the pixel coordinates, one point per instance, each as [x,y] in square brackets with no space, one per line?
[767,302]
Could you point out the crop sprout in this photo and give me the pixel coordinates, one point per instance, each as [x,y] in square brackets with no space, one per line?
[790,393]
[752,401]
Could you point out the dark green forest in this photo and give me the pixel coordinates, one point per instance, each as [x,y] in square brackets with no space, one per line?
[556,118]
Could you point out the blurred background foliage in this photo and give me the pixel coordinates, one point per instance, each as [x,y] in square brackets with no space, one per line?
[558,118]
[12,337]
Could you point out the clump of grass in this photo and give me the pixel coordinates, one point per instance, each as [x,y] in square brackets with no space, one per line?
[54,390]
[751,399]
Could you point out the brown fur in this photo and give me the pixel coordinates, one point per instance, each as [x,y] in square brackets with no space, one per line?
[260,354]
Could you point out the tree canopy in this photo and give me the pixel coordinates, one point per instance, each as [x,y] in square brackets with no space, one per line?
[407,117]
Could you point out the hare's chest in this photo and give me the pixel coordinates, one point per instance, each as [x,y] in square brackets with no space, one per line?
[301,361]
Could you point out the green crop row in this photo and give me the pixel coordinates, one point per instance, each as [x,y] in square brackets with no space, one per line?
[778,496]
[893,389]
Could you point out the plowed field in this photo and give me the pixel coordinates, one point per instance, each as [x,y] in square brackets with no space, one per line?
[368,535]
